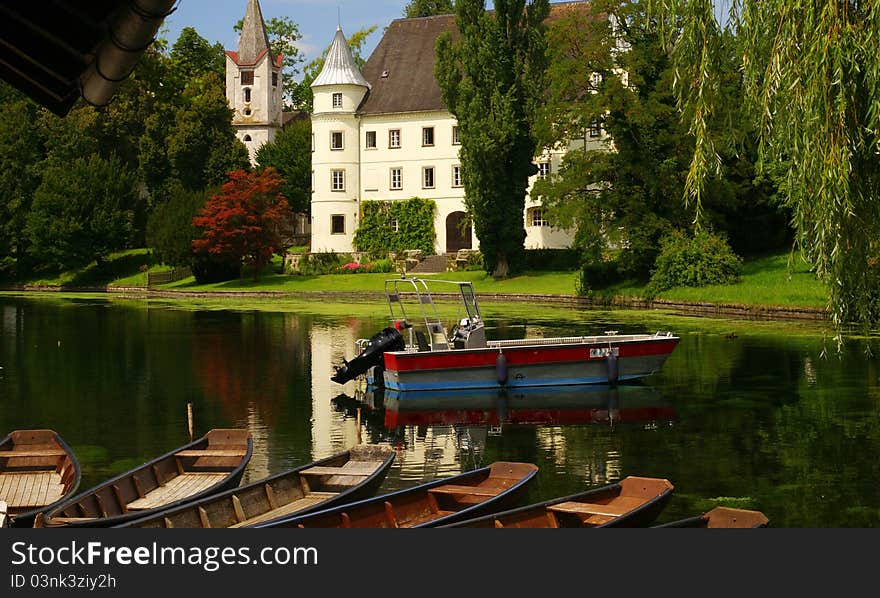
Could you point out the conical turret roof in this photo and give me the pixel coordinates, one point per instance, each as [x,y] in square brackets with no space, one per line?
[254,40]
[339,67]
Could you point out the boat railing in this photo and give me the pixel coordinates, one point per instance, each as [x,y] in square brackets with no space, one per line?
[568,340]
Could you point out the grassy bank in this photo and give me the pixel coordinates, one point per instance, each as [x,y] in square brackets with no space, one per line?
[767,281]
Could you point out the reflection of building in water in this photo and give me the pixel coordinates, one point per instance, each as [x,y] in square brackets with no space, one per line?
[258,467]
[331,431]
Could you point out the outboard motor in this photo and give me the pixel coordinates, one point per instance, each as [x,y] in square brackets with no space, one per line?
[388,339]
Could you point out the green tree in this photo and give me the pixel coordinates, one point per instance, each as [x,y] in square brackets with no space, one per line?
[627,194]
[193,56]
[283,35]
[194,144]
[291,155]
[82,211]
[313,69]
[21,159]
[170,231]
[811,71]
[428,8]
[491,80]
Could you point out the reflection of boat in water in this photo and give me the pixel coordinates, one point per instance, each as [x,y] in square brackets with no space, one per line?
[552,405]
[421,354]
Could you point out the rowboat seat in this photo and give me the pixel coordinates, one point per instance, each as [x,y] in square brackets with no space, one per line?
[312,498]
[584,508]
[30,489]
[355,468]
[33,453]
[182,486]
[211,453]
[474,490]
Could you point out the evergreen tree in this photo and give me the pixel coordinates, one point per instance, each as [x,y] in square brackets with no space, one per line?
[491,80]
[21,160]
[428,8]
[290,154]
[82,211]
[170,231]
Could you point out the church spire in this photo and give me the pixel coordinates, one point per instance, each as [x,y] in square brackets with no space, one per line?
[254,40]
[340,67]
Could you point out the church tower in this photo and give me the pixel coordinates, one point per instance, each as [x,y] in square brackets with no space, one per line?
[253,83]
[338,92]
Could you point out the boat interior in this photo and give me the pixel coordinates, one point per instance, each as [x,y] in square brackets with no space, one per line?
[35,470]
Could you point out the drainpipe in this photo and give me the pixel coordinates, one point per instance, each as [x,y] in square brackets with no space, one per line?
[132,31]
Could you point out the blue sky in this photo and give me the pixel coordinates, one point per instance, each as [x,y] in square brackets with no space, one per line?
[317,19]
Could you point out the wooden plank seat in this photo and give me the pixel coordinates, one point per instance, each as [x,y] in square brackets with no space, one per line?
[211,453]
[33,453]
[347,471]
[30,489]
[474,490]
[182,486]
[584,508]
[312,498]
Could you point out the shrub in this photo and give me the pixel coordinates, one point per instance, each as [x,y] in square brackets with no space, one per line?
[207,269]
[314,264]
[701,260]
[596,275]
[384,265]
[552,260]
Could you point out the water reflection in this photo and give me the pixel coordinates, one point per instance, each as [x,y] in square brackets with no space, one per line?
[761,420]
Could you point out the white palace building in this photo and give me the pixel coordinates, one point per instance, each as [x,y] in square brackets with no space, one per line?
[378,134]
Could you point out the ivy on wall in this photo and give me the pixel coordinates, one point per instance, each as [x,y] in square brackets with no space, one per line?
[396,226]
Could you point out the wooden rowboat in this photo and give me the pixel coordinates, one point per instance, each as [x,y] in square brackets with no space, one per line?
[210,464]
[342,478]
[723,517]
[37,472]
[441,501]
[632,502]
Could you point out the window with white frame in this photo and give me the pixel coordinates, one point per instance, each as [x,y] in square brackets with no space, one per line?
[595,128]
[537,217]
[337,100]
[427,136]
[543,170]
[455,138]
[456,176]
[395,225]
[337,180]
[394,138]
[337,140]
[396,179]
[428,177]
[371,140]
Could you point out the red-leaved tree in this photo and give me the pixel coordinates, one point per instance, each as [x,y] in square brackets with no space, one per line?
[245,222]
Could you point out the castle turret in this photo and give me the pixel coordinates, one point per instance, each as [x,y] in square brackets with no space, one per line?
[338,91]
[253,83]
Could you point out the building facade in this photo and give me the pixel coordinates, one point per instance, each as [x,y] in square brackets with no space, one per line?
[384,134]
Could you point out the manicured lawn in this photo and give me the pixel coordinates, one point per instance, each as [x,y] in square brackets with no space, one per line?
[546,283]
[765,281]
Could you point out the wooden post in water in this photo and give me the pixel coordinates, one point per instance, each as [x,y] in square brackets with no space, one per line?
[189,420]
[359,425]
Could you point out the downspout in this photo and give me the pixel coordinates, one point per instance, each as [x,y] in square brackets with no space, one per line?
[131,33]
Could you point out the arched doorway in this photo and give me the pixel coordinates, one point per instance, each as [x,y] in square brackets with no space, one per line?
[458,234]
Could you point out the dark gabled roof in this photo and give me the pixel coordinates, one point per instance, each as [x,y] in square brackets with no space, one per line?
[401,68]
[48,49]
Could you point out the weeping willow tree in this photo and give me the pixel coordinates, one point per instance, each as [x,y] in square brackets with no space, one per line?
[812,74]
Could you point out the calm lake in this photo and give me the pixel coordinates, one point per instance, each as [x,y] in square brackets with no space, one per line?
[755,415]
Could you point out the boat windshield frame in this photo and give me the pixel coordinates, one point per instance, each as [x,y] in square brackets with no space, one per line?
[419,289]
